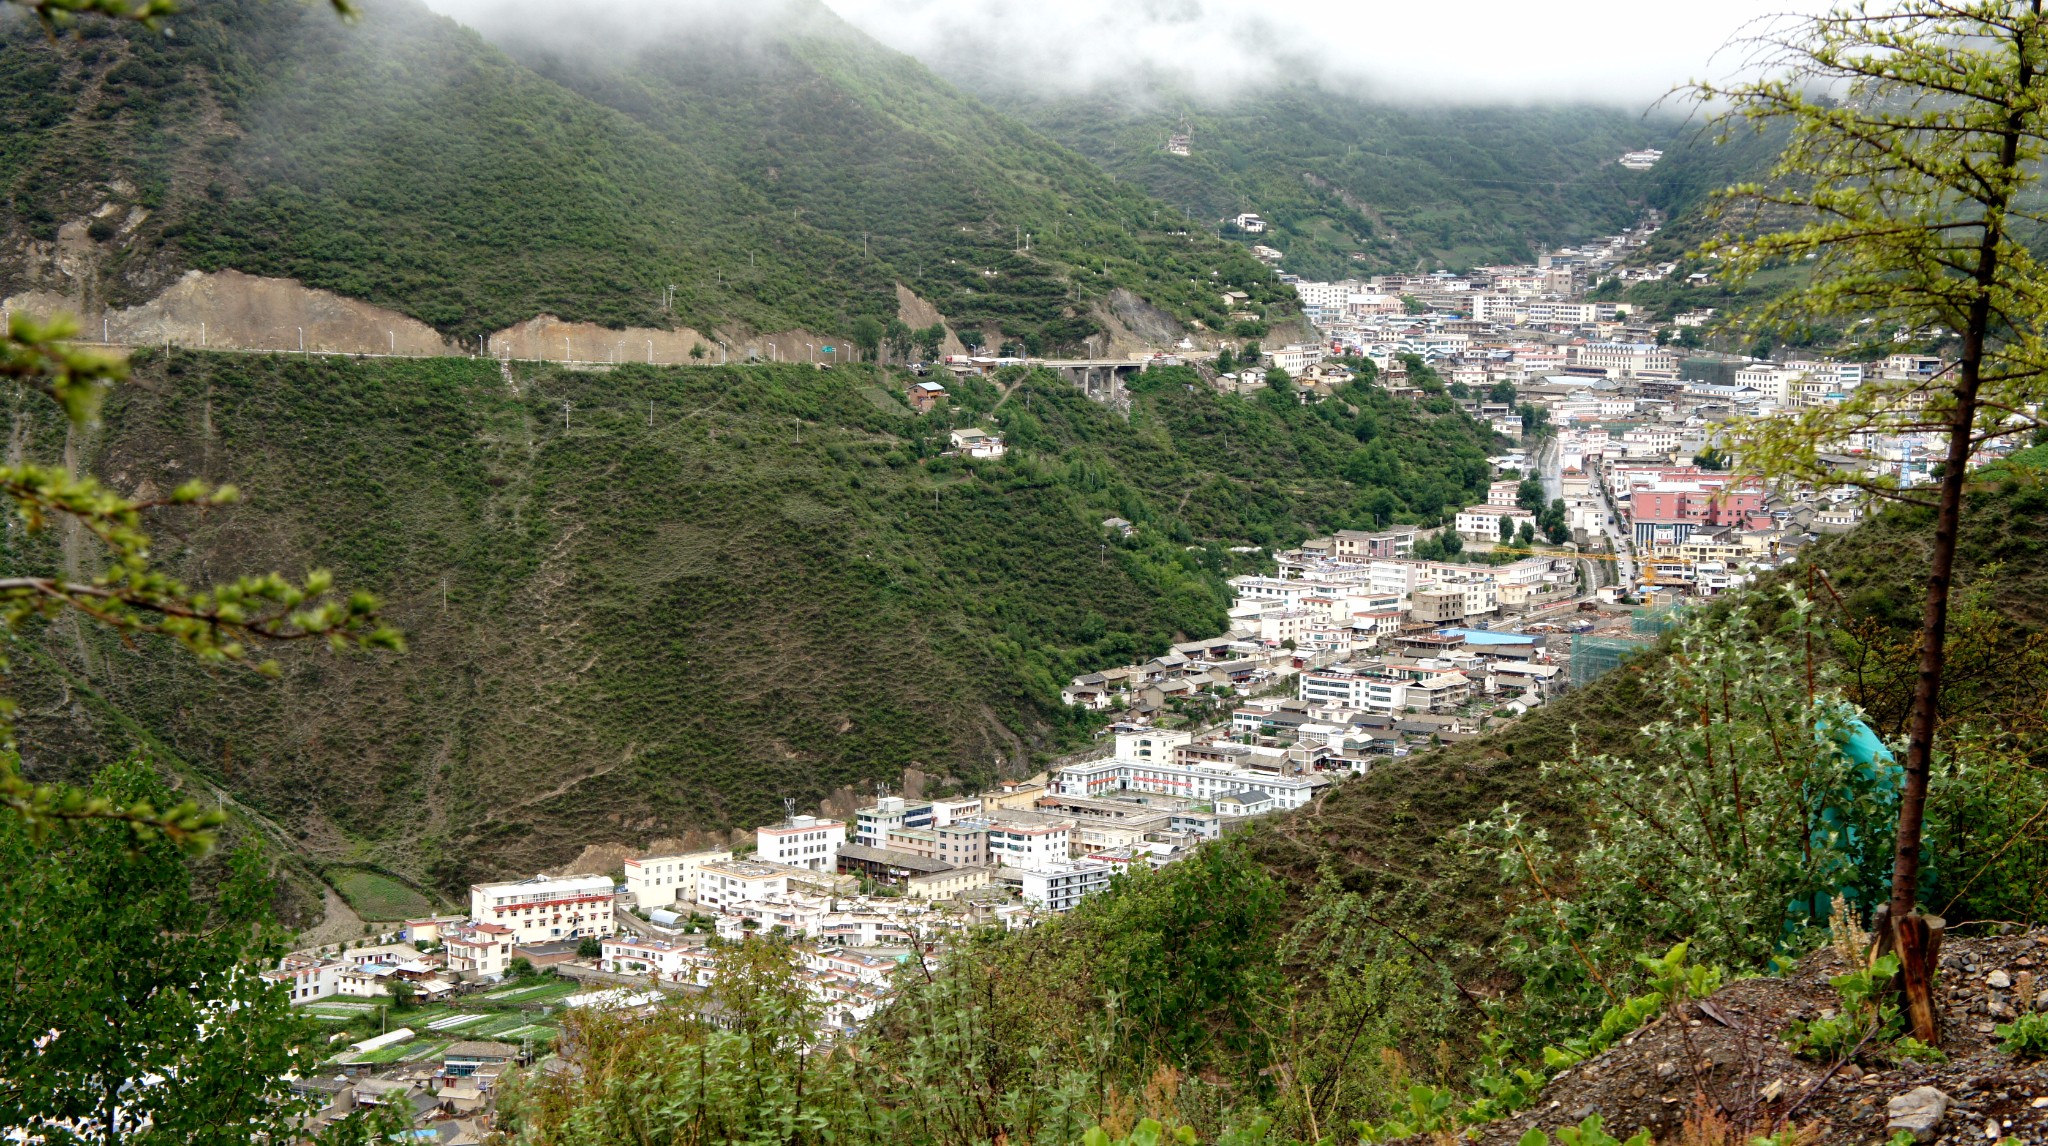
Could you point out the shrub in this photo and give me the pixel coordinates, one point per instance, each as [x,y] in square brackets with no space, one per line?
[2026,1036]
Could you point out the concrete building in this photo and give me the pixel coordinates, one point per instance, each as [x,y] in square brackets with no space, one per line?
[802,841]
[657,881]
[722,885]
[1060,886]
[872,825]
[1018,844]
[546,908]
[483,952]
[946,884]
[631,955]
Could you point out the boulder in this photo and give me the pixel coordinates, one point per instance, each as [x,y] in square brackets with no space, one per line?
[1918,1112]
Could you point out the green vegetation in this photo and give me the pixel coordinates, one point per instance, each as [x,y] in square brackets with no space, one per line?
[378,897]
[1373,964]
[998,228]
[402,160]
[132,1010]
[1349,186]
[700,591]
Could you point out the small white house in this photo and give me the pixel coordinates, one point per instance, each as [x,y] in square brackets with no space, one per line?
[976,443]
[1250,224]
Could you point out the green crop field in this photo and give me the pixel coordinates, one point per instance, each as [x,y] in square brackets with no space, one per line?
[379,897]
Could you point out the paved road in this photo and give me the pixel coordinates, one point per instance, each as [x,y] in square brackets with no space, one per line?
[1624,547]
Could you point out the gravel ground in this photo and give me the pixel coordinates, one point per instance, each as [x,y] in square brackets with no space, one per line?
[1725,1060]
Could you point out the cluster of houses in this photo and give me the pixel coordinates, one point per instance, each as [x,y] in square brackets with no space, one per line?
[856,899]
[449,1100]
[1629,411]
[1351,597]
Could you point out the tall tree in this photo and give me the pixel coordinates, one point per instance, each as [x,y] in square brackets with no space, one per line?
[1916,137]
[867,336]
[133,1011]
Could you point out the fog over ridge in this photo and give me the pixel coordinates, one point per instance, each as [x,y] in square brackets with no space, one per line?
[1623,53]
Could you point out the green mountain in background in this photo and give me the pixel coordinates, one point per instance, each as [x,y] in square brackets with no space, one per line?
[983,217]
[403,160]
[697,592]
[1354,186]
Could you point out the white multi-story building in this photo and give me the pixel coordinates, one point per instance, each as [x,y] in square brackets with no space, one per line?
[1014,844]
[1140,744]
[1060,886]
[723,885]
[803,841]
[481,951]
[872,825]
[1482,522]
[1296,359]
[1772,382]
[657,881]
[306,978]
[1198,781]
[1625,358]
[1280,626]
[546,908]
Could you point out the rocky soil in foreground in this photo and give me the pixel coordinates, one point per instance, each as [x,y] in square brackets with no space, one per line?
[1720,1071]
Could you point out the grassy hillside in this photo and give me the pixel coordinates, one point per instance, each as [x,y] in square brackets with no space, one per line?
[697,592]
[1351,186]
[403,160]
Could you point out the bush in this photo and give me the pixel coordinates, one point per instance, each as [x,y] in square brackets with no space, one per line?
[2026,1036]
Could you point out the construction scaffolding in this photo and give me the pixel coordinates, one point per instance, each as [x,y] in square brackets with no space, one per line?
[1595,657]
[1657,622]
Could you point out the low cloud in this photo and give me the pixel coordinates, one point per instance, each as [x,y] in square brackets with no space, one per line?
[1623,52]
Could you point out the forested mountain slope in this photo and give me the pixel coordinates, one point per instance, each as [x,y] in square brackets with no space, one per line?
[402,160]
[1351,185]
[656,599]
[987,219]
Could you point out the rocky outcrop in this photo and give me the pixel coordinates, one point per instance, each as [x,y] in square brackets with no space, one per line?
[918,314]
[550,338]
[228,310]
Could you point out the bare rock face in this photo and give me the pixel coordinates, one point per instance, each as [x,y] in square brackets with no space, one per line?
[1919,1112]
[1135,324]
[919,314]
[228,310]
[550,338]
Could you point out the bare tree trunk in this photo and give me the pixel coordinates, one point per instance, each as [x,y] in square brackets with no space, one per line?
[1910,932]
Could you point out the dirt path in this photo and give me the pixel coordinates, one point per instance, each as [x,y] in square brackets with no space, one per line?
[338,922]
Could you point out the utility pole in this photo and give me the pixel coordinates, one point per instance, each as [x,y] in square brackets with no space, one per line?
[566,407]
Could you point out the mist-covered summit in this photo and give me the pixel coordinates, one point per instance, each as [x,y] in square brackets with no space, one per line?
[787,178]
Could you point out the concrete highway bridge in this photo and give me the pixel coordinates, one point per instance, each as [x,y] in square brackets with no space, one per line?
[1100,378]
